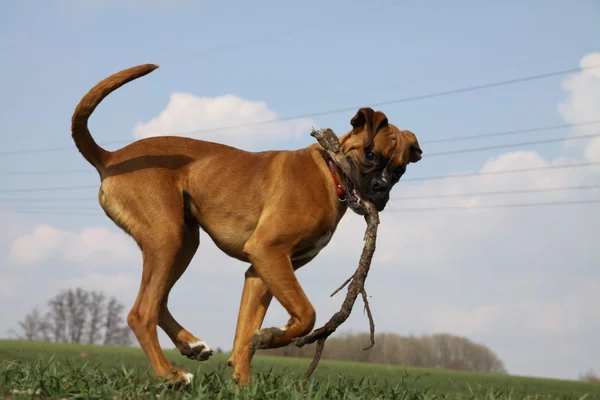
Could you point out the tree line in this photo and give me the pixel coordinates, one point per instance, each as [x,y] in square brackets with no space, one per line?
[89,317]
[78,316]
[432,351]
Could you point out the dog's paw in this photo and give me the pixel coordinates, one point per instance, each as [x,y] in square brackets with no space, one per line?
[264,338]
[178,379]
[199,350]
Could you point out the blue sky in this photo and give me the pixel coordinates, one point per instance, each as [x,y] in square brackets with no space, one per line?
[305,58]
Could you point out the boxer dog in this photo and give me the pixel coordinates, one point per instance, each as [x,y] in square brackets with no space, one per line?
[273,209]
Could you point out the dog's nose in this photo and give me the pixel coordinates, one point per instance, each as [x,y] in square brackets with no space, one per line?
[379,185]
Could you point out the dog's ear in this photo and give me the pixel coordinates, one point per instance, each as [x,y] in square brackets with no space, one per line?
[415,152]
[369,121]
[411,150]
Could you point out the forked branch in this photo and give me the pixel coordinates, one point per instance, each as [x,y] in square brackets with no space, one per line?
[331,144]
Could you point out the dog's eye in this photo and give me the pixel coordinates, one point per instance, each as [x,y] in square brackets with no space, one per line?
[370,155]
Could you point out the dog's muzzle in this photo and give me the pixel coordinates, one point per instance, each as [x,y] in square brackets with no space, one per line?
[380,200]
[380,192]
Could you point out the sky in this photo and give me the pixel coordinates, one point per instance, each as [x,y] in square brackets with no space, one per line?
[523,280]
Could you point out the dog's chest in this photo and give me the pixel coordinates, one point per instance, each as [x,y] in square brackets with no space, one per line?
[313,250]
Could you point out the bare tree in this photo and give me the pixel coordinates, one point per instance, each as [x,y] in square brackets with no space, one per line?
[121,336]
[78,316]
[589,376]
[96,312]
[57,317]
[76,305]
[111,321]
[34,326]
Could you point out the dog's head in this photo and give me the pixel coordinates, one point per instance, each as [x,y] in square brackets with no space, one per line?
[381,153]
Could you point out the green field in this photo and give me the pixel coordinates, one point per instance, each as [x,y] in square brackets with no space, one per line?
[47,370]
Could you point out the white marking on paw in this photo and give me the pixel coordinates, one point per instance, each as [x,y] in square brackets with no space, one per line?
[188,377]
[284,328]
[200,343]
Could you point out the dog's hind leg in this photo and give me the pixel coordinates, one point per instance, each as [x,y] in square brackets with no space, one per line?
[158,224]
[160,256]
[187,344]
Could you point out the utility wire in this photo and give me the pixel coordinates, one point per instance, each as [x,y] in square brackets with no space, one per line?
[42,207]
[50,189]
[500,172]
[424,178]
[509,145]
[417,197]
[507,132]
[443,153]
[497,206]
[464,89]
[500,192]
[46,199]
[47,211]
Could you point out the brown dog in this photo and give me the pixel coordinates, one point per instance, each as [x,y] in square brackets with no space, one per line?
[275,210]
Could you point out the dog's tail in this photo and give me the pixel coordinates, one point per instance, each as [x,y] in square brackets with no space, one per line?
[84,141]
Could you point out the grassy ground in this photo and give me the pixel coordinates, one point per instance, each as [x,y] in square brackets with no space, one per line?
[34,370]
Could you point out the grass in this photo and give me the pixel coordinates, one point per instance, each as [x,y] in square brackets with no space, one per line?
[48,370]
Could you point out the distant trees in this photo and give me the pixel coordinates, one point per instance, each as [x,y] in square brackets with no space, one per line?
[78,316]
[589,376]
[433,351]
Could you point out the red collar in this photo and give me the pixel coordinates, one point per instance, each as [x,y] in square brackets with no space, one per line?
[338,187]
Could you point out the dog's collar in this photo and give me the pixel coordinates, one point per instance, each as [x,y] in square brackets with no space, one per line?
[338,187]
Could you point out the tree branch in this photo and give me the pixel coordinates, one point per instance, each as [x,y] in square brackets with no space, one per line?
[371,322]
[341,286]
[331,144]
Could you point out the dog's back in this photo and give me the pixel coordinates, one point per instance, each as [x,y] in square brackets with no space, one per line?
[273,209]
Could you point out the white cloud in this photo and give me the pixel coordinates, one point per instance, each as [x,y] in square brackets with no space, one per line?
[93,246]
[583,102]
[569,315]
[193,116]
[120,284]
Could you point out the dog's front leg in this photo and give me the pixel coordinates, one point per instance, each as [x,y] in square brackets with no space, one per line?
[272,264]
[253,307]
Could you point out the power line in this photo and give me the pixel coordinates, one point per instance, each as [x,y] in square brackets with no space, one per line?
[405,99]
[464,89]
[46,199]
[49,189]
[500,192]
[51,172]
[500,172]
[507,132]
[417,197]
[47,211]
[424,178]
[444,153]
[509,145]
[59,208]
[497,206]
[44,212]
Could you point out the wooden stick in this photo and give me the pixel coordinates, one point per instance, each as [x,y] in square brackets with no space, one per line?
[341,286]
[331,144]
